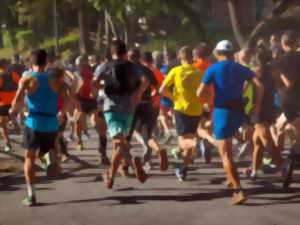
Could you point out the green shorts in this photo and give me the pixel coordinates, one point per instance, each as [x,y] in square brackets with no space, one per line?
[118,123]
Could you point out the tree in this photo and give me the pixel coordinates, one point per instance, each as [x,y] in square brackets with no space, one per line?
[279,7]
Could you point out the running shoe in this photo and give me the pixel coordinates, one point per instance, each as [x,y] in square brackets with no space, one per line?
[176,153]
[7,148]
[29,201]
[109,182]
[139,171]
[79,147]
[238,198]
[164,162]
[181,173]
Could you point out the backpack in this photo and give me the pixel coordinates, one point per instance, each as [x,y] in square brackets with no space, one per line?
[120,79]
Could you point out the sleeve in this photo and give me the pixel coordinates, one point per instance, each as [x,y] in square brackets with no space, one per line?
[208,76]
[248,74]
[169,80]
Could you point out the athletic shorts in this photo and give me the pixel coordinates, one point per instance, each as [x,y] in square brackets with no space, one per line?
[4,110]
[88,105]
[118,123]
[144,121]
[34,140]
[186,124]
[226,123]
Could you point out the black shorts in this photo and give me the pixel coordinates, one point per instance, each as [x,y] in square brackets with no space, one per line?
[34,140]
[186,124]
[4,110]
[144,120]
[88,105]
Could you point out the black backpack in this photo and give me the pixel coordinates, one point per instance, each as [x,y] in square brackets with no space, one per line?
[120,79]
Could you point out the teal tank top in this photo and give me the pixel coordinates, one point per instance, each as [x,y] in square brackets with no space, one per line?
[42,106]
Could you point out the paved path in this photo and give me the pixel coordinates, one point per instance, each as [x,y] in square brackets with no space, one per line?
[80,200]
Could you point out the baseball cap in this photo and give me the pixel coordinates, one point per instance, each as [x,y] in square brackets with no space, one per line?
[224,45]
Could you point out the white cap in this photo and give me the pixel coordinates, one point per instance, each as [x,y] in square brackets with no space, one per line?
[224,45]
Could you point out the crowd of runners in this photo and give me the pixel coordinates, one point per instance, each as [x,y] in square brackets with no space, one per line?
[240,102]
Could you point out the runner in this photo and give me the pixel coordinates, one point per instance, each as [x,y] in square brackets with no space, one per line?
[187,107]
[228,79]
[262,138]
[123,91]
[146,114]
[41,124]
[289,91]
[87,98]
[8,87]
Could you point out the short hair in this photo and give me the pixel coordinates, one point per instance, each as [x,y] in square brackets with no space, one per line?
[201,51]
[147,57]
[134,54]
[118,47]
[186,53]
[39,57]
[289,38]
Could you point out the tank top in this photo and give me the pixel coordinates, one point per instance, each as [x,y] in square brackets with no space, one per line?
[42,106]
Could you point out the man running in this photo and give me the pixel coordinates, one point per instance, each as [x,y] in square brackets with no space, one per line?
[87,98]
[187,107]
[289,91]
[8,87]
[41,124]
[123,91]
[228,79]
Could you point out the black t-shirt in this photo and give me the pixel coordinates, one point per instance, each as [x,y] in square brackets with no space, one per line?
[152,82]
[289,66]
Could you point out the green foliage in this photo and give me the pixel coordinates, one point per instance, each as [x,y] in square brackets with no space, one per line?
[26,39]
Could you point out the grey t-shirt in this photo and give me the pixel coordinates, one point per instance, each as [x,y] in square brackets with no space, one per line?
[116,103]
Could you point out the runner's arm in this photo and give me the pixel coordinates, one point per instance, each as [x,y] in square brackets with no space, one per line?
[203,92]
[20,94]
[68,96]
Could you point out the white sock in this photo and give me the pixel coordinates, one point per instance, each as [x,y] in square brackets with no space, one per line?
[30,190]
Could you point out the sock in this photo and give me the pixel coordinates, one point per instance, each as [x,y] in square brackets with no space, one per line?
[103,145]
[30,190]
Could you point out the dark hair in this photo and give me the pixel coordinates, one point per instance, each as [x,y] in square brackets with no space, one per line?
[186,53]
[201,51]
[39,57]
[147,57]
[289,38]
[134,54]
[118,47]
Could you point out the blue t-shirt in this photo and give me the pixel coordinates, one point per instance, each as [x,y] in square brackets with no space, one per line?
[228,79]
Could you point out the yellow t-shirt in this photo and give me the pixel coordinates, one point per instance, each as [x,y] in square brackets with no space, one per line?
[185,79]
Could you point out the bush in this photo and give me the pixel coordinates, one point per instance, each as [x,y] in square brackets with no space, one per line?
[26,40]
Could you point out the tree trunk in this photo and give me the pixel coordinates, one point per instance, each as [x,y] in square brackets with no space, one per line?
[279,8]
[235,22]
[83,27]
[98,37]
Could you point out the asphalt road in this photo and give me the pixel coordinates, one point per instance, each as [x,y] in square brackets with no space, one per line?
[77,199]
